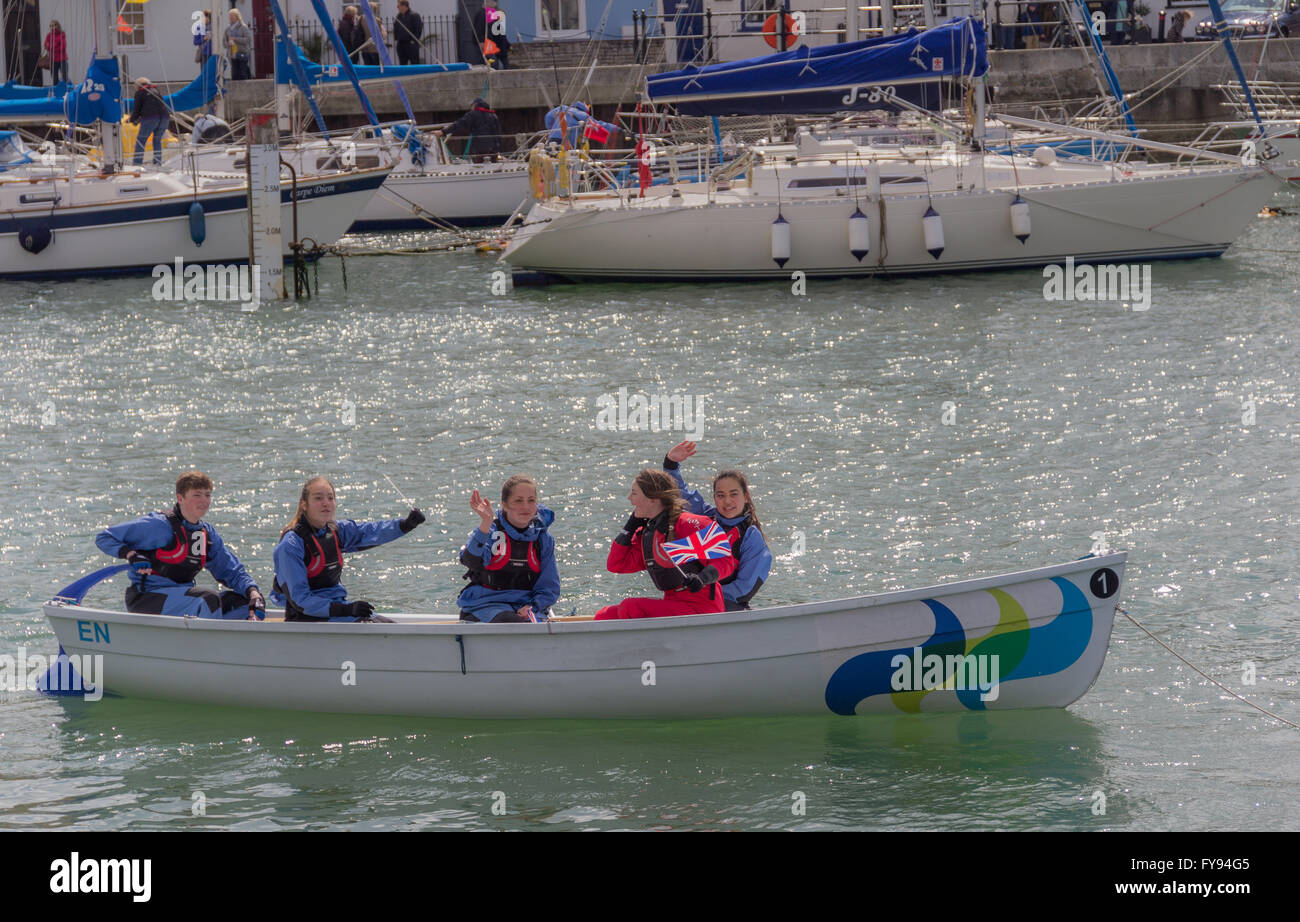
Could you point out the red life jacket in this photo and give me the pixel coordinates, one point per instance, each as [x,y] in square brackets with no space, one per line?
[323,558]
[665,575]
[516,567]
[181,562]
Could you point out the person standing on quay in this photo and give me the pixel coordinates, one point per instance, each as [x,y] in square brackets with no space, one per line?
[407,30]
[239,41]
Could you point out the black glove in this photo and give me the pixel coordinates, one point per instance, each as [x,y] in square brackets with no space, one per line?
[359,610]
[697,581]
[255,600]
[139,563]
[412,520]
[629,529]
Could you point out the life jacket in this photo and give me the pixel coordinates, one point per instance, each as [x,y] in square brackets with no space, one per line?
[517,566]
[182,561]
[323,558]
[736,535]
[665,575]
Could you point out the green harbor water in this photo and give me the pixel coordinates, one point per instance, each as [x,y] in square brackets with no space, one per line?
[902,433]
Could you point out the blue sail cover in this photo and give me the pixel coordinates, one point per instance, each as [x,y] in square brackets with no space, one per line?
[200,91]
[832,78]
[318,73]
[12,90]
[99,96]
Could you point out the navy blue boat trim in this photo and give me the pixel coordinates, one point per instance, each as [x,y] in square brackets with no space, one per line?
[179,207]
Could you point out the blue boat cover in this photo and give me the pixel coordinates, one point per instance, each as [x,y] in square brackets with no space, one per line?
[332,73]
[200,91]
[831,78]
[99,96]
[12,151]
[12,90]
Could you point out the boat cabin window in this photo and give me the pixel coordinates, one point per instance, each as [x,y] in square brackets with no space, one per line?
[827,182]
[31,198]
[364,162]
[831,182]
[133,190]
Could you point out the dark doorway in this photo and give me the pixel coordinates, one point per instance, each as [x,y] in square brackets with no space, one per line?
[263,26]
[22,37]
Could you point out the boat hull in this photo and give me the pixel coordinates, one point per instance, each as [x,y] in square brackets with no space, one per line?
[1175,216]
[99,238]
[466,195]
[1041,635]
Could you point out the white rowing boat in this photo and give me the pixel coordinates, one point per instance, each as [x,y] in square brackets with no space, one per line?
[1035,638]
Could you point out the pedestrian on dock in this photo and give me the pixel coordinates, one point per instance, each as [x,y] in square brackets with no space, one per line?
[239,42]
[166,551]
[370,43]
[149,110]
[203,40]
[351,33]
[481,130]
[685,554]
[407,30]
[1031,25]
[56,46]
[489,25]
[733,511]
[510,558]
[309,557]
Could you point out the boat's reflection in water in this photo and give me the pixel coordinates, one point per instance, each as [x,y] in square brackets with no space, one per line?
[1031,769]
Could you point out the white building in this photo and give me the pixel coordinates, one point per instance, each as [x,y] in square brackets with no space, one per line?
[155,37]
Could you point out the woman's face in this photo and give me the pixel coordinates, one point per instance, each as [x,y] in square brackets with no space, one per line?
[729,497]
[320,504]
[643,506]
[521,506]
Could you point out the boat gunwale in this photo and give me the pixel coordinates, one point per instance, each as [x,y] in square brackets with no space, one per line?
[56,608]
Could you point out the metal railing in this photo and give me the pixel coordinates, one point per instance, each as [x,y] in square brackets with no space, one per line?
[437,44]
[782,31]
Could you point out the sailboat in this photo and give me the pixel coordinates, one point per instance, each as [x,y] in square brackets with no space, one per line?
[427,187]
[831,207]
[62,215]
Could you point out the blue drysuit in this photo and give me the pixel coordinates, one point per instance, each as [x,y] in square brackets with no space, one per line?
[291,564]
[575,119]
[485,603]
[154,594]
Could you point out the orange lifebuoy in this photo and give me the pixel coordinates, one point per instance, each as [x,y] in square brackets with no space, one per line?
[791,31]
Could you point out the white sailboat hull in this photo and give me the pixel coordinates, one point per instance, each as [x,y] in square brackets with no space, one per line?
[1041,637]
[106,236]
[1131,219]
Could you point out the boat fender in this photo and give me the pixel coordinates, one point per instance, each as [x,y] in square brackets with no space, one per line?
[780,240]
[35,237]
[873,181]
[932,227]
[1046,156]
[198,225]
[1020,226]
[859,235]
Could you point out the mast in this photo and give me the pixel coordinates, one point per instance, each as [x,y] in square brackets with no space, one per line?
[103,14]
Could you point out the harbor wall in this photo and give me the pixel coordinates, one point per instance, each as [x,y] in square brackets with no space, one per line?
[1018,79]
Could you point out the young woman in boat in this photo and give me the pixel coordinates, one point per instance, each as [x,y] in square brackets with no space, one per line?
[166,551]
[510,557]
[658,515]
[733,510]
[309,557]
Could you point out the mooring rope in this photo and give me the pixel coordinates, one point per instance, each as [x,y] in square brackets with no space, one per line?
[1124,611]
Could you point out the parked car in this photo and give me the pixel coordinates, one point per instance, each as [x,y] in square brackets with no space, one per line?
[1245,18]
